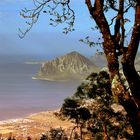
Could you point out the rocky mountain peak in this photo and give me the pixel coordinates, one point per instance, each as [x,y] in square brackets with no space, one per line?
[73,53]
[70,66]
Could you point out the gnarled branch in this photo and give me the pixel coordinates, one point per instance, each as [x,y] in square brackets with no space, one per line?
[66,15]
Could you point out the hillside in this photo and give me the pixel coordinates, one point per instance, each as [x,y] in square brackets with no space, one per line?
[72,66]
[99,60]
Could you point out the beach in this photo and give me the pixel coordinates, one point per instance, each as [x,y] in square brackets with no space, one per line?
[33,125]
[21,98]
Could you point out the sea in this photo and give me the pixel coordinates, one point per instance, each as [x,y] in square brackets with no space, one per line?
[20,95]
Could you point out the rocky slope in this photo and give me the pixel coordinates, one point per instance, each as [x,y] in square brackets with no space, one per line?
[72,66]
[99,60]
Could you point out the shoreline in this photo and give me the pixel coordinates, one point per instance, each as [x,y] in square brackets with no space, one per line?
[33,125]
[56,80]
[23,113]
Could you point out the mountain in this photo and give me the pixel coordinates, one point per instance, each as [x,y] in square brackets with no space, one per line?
[72,66]
[99,60]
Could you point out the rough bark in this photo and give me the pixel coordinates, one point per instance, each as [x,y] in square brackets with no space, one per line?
[131,102]
[131,75]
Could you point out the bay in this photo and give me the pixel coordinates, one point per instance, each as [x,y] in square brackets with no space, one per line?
[21,96]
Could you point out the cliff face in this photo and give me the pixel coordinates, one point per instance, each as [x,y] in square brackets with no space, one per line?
[68,67]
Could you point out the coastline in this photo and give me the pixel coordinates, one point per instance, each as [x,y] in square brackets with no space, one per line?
[33,125]
[56,80]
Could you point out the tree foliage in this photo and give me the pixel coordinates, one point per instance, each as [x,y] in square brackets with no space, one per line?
[55,134]
[58,10]
[93,106]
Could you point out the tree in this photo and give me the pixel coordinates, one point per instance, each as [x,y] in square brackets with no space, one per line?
[113,44]
[94,108]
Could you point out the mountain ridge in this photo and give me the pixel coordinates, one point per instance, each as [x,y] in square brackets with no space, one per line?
[72,66]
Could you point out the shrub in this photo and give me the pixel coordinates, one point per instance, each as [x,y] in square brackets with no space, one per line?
[55,134]
[93,106]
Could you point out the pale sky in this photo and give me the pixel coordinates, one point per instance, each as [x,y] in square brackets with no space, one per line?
[43,39]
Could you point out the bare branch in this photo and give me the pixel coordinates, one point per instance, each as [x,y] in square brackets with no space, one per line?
[112,20]
[89,5]
[32,14]
[67,15]
[135,39]
[112,5]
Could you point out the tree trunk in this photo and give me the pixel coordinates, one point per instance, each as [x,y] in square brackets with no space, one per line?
[131,102]
[133,110]
[106,137]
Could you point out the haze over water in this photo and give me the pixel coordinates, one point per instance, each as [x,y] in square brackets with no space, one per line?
[20,95]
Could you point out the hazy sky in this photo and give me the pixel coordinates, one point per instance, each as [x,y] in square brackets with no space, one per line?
[42,39]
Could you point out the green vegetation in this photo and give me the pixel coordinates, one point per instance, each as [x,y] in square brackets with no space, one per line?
[95,111]
[55,134]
